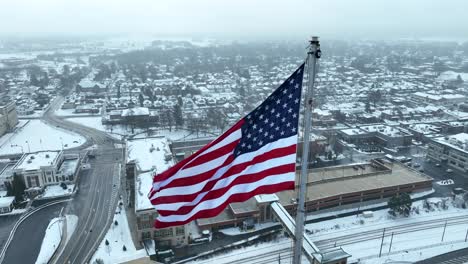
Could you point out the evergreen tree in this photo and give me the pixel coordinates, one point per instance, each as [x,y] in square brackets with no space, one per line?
[16,188]
[179,121]
[141,99]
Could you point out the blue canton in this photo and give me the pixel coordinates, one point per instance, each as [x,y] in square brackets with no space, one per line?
[277,117]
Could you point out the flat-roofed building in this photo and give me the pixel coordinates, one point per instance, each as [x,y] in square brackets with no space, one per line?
[329,187]
[451,149]
[144,158]
[8,117]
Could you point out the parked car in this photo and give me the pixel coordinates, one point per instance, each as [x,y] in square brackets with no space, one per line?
[449,170]
[438,165]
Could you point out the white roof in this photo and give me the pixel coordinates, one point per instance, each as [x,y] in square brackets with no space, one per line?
[149,154]
[137,111]
[458,141]
[36,160]
[6,201]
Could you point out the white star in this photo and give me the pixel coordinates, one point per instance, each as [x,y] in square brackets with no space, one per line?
[289,110]
[283,119]
[272,110]
[299,71]
[293,129]
[267,107]
[296,101]
[271,137]
[291,81]
[294,115]
[277,128]
[296,86]
[266,120]
[282,133]
[285,105]
[249,135]
[266,134]
[285,91]
[288,124]
[260,130]
[290,96]
[254,139]
[278,101]
[254,126]
[260,117]
[278,115]
[260,142]
[249,146]
[248,117]
[243,144]
[272,124]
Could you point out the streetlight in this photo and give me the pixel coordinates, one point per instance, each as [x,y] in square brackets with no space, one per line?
[61,141]
[29,148]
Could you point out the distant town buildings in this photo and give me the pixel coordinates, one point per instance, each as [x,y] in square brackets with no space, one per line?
[450,149]
[8,117]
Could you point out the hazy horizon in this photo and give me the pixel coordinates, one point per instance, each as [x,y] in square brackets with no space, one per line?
[295,19]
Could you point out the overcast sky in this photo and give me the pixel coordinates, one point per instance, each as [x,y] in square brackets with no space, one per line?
[298,18]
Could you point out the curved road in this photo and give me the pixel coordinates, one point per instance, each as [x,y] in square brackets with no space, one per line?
[94,203]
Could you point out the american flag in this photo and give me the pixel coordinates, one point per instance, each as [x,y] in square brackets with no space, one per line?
[255,156]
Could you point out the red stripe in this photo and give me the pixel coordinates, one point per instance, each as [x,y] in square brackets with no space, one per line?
[275,153]
[235,198]
[207,157]
[244,179]
[171,171]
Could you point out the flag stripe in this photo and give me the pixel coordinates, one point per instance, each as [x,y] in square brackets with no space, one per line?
[237,193]
[185,193]
[281,147]
[169,172]
[215,194]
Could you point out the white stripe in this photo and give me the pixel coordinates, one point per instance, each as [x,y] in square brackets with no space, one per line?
[202,167]
[241,188]
[281,143]
[255,168]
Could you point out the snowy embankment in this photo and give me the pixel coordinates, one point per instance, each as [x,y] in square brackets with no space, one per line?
[36,136]
[53,236]
[111,250]
[57,191]
[413,238]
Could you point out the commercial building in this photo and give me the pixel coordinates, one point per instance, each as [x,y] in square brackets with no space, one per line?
[42,168]
[327,188]
[451,149]
[144,158]
[376,136]
[8,117]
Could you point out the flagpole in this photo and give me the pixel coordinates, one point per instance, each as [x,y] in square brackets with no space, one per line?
[312,56]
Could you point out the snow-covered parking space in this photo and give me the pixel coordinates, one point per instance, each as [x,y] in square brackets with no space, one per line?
[37,136]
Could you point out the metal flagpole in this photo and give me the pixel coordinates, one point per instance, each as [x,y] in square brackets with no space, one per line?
[312,56]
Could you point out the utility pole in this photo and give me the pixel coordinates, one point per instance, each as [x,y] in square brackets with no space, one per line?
[312,56]
[381,243]
[466,236]
[443,234]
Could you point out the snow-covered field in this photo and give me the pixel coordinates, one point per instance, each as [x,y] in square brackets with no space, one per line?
[53,236]
[118,236]
[416,237]
[37,136]
[122,130]
[57,190]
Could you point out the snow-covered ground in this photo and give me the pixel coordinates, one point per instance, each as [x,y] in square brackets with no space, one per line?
[121,130]
[416,237]
[118,236]
[57,190]
[37,136]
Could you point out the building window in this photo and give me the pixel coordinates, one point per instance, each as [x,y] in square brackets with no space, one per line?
[180,231]
[165,232]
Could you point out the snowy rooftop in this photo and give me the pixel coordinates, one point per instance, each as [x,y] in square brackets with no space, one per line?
[137,111]
[6,201]
[36,160]
[68,166]
[385,130]
[458,141]
[149,154]
[425,128]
